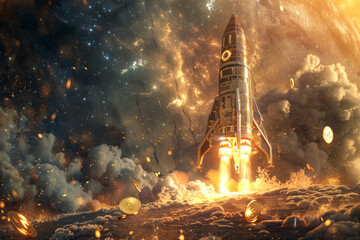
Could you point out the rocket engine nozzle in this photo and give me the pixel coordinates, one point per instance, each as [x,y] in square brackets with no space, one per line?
[226,149]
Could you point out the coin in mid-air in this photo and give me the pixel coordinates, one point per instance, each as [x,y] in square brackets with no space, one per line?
[292,83]
[136,185]
[130,205]
[21,224]
[253,211]
[328,134]
[310,167]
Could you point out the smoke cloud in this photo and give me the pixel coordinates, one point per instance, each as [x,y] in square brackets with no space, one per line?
[31,171]
[323,96]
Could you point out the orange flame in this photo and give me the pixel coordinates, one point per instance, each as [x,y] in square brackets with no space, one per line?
[225,152]
[241,157]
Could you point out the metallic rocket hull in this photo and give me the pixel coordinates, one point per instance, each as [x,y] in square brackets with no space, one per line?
[235,116]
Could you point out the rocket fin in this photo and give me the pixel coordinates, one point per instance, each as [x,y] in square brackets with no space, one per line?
[260,137]
[205,144]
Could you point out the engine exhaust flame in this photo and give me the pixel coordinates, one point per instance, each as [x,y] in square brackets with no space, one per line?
[241,158]
[225,152]
[245,152]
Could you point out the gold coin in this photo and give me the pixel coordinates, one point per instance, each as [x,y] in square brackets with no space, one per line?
[136,185]
[253,211]
[21,224]
[292,83]
[130,205]
[328,134]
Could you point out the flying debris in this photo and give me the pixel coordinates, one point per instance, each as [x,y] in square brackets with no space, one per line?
[292,83]
[310,167]
[136,185]
[21,224]
[253,211]
[130,205]
[328,134]
[235,123]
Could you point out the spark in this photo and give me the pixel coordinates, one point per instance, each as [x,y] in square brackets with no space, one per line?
[328,222]
[97,233]
[68,84]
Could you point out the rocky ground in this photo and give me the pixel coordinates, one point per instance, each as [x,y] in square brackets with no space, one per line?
[287,214]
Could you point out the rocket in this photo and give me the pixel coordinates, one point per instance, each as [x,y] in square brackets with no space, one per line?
[235,123]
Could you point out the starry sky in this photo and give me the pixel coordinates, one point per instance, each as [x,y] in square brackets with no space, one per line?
[142,75]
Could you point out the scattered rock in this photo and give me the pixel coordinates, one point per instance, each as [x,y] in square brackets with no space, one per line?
[293,222]
[272,223]
[303,204]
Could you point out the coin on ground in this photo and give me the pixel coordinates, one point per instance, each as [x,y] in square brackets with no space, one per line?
[130,205]
[253,211]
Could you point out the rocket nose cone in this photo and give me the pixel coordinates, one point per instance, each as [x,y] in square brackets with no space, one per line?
[234,24]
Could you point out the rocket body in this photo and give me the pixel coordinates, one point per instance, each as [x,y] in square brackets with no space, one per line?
[235,116]
[233,78]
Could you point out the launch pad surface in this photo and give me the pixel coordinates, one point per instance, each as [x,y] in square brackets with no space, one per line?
[287,214]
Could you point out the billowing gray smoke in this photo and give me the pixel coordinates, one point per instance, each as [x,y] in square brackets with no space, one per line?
[323,96]
[30,171]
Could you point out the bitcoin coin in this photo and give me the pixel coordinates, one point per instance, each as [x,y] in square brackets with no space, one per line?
[21,224]
[253,211]
[328,134]
[136,185]
[130,205]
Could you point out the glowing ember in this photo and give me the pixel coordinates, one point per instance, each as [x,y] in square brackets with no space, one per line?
[181,237]
[2,205]
[328,222]
[14,193]
[148,159]
[131,232]
[40,135]
[97,234]
[68,84]
[53,116]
